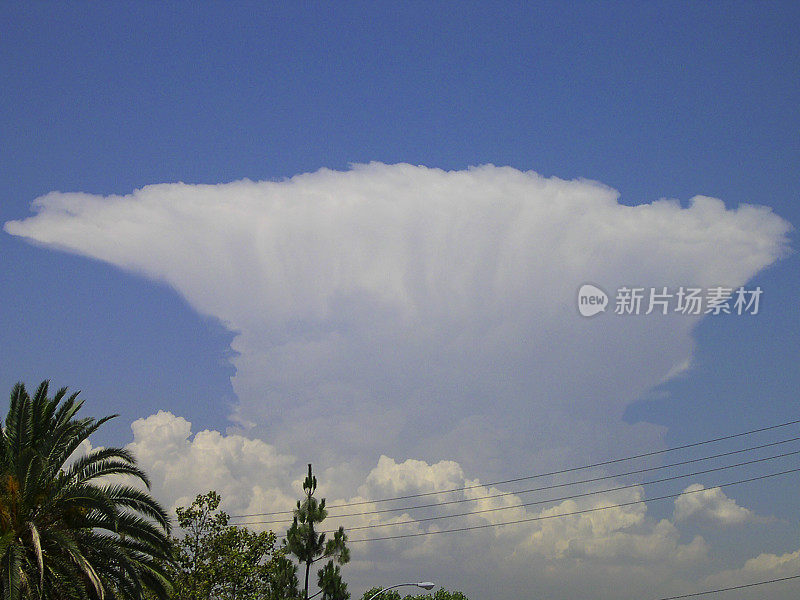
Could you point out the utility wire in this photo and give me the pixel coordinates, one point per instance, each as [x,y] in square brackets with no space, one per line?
[536,476]
[735,587]
[537,489]
[571,497]
[567,514]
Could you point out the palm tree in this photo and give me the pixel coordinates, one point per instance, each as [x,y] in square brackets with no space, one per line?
[74,528]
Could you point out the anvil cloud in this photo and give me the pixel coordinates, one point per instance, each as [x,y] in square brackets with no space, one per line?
[437,307]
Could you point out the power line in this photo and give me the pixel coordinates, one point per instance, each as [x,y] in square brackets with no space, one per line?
[735,587]
[541,488]
[567,514]
[536,476]
[571,497]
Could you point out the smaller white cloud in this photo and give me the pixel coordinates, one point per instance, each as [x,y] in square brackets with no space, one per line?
[774,564]
[763,567]
[711,505]
[611,534]
[784,564]
[607,534]
[251,475]
[390,478]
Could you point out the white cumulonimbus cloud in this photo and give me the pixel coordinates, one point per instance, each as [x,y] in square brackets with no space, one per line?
[404,311]
[412,311]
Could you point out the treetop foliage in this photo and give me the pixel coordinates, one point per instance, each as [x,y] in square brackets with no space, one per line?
[218,561]
[440,594]
[66,529]
[308,546]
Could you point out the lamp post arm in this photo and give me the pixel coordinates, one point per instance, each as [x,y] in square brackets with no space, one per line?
[426,585]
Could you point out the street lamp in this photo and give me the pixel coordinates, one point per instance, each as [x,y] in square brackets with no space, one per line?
[426,585]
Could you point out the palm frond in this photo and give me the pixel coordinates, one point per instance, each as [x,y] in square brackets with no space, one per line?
[64,533]
[36,542]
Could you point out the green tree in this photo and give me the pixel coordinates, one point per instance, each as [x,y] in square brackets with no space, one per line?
[66,530]
[308,546]
[218,561]
[284,580]
[440,594]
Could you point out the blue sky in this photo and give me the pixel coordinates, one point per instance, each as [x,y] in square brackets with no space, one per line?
[655,100]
